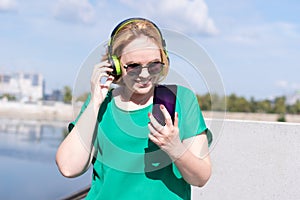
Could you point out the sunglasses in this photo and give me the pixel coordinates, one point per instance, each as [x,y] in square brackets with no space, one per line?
[135,69]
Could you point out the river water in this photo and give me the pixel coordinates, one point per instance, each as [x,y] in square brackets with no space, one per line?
[27,161]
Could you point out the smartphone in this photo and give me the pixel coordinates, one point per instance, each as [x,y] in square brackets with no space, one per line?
[165,95]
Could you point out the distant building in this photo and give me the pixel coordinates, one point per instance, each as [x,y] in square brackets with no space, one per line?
[24,86]
[56,95]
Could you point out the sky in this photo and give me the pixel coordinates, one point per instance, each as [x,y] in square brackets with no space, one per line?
[254,44]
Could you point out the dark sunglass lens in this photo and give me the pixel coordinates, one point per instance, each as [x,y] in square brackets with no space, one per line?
[155,67]
[133,68]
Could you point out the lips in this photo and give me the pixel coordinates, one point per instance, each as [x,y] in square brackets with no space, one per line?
[144,84]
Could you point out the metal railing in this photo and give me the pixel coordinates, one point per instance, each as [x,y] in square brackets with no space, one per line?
[78,195]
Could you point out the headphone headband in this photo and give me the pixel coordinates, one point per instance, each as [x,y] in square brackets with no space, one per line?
[128,21]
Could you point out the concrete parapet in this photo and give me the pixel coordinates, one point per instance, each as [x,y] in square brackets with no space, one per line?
[65,112]
[253,161]
[56,111]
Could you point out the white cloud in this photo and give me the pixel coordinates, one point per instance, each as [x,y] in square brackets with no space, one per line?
[295,86]
[288,85]
[75,11]
[8,5]
[282,84]
[287,29]
[182,15]
[272,36]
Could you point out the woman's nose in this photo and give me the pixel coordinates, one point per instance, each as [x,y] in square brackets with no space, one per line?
[144,73]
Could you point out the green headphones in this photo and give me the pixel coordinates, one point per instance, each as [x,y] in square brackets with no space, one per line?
[113,59]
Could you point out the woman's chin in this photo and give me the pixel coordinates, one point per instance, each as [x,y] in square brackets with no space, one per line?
[142,88]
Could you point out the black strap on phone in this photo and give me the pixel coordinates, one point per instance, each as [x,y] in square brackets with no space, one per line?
[165,95]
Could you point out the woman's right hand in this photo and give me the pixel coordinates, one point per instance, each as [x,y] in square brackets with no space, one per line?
[99,89]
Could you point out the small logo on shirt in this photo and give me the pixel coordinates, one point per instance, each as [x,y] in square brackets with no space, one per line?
[155,164]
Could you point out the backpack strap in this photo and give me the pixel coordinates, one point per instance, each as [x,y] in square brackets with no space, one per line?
[166,95]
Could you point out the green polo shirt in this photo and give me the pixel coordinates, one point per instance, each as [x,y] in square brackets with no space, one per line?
[128,165]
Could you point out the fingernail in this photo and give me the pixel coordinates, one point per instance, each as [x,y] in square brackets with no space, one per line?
[162,106]
[149,114]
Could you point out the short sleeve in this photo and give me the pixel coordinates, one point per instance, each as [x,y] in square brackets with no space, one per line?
[83,107]
[191,120]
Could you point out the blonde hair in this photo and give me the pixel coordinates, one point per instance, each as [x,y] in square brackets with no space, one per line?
[131,29]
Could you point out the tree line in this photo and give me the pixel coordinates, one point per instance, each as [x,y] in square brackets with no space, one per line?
[234,103]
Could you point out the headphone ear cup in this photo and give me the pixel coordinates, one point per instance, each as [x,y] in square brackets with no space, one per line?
[166,53]
[115,63]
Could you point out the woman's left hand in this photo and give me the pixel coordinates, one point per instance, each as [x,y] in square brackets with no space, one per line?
[166,137]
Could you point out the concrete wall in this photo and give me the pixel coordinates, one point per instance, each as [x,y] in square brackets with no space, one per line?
[50,111]
[254,161]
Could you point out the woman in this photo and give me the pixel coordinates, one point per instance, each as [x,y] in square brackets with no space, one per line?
[115,128]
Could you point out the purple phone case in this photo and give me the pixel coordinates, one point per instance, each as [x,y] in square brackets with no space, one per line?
[166,95]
